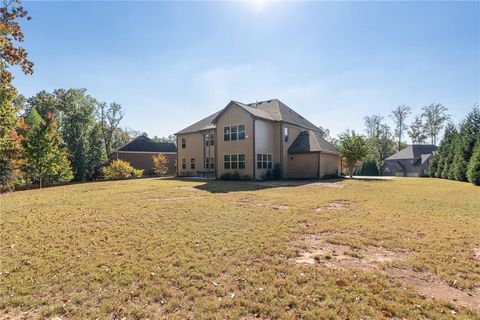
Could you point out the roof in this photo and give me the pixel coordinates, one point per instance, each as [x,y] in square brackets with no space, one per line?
[204,124]
[414,151]
[272,110]
[145,144]
[311,141]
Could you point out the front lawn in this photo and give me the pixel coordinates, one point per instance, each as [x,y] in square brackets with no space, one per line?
[401,248]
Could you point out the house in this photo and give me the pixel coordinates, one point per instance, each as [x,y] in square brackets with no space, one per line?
[251,139]
[140,150]
[411,161]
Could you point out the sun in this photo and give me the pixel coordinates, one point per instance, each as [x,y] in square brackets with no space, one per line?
[258,4]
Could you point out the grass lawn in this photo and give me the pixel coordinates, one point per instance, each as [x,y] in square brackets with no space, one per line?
[156,248]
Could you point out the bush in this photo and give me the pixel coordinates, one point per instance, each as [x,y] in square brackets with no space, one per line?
[368,167]
[119,169]
[160,164]
[473,172]
[234,176]
[277,173]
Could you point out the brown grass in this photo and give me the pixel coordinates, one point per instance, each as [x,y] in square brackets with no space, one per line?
[179,249]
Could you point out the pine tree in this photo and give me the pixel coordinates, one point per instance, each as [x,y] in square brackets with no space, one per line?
[45,159]
[96,153]
[473,172]
[442,158]
[469,130]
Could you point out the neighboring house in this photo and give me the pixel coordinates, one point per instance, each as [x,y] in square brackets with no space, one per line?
[411,161]
[140,150]
[253,138]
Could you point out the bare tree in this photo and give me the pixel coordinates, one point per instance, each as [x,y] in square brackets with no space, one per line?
[399,116]
[435,116]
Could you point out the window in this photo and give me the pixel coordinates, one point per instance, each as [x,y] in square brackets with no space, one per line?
[234,161]
[192,163]
[184,143]
[285,133]
[184,163]
[209,140]
[209,163]
[264,161]
[232,133]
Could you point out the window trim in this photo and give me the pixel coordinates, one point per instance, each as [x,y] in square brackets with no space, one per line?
[192,163]
[228,133]
[239,164]
[209,139]
[209,163]
[184,164]
[264,161]
[184,143]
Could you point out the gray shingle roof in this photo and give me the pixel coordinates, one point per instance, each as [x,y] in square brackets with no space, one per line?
[145,144]
[273,110]
[311,141]
[414,151]
[204,124]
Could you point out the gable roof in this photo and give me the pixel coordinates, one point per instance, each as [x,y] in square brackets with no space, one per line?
[414,151]
[145,144]
[272,110]
[311,141]
[204,124]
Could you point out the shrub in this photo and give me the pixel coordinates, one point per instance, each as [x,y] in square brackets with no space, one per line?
[119,169]
[160,164]
[234,176]
[226,176]
[473,172]
[277,173]
[246,177]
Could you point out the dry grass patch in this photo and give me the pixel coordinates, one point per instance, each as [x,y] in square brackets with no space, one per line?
[112,253]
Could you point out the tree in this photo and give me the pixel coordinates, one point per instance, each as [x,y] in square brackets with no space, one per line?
[473,172]
[417,132]
[435,116]
[97,154]
[119,169]
[78,111]
[10,55]
[170,139]
[468,133]
[379,139]
[45,160]
[120,138]
[399,116]
[442,161]
[160,164]
[353,148]
[110,118]
[324,133]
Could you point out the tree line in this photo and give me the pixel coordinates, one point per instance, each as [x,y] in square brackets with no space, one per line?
[380,140]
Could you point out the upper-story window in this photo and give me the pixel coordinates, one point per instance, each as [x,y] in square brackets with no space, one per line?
[285,134]
[209,139]
[184,143]
[232,133]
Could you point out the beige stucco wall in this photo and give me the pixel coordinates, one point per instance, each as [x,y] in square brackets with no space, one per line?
[306,166]
[194,149]
[233,116]
[293,132]
[329,164]
[267,141]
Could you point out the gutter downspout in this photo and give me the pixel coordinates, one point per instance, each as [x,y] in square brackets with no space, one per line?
[253,155]
[318,165]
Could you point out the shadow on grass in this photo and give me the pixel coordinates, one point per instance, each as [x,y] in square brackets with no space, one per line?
[223,186]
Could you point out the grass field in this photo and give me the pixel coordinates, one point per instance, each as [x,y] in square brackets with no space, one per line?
[179,249]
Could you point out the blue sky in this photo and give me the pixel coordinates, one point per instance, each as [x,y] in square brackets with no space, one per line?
[171,63]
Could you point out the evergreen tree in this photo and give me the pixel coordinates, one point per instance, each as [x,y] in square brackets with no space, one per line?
[96,154]
[45,159]
[469,130]
[473,172]
[440,161]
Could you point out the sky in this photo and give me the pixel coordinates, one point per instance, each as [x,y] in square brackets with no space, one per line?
[169,64]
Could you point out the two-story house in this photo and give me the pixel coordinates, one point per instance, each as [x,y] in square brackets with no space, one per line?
[251,139]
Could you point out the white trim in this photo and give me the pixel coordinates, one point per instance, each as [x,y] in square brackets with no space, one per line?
[147,152]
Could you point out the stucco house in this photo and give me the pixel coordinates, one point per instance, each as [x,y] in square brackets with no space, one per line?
[411,161]
[251,139]
[140,150]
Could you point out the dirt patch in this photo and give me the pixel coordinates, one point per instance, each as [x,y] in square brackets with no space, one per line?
[176,198]
[334,185]
[339,256]
[17,314]
[334,205]
[189,188]
[431,287]
[318,251]
[476,253]
[300,183]
[246,202]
